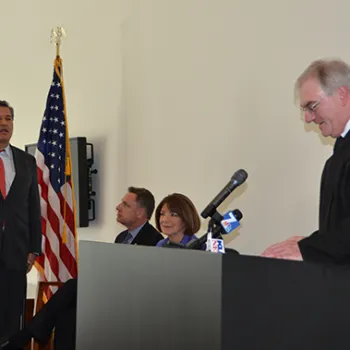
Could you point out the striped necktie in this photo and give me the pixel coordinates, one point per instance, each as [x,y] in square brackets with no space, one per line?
[127,238]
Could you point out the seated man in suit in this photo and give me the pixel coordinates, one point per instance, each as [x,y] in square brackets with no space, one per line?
[134,211]
[59,313]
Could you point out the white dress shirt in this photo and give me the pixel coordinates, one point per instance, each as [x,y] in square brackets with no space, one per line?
[9,166]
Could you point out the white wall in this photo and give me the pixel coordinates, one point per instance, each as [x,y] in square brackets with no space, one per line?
[211,91]
[178,95]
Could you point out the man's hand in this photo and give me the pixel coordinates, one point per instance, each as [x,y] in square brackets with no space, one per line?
[287,249]
[30,261]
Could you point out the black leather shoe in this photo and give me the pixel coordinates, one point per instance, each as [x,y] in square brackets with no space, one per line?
[4,343]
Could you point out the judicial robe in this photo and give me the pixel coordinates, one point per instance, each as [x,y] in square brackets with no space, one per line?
[331,242]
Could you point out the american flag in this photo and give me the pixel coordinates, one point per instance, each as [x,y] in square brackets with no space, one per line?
[58,261]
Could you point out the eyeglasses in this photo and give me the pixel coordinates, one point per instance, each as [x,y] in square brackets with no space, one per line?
[310,106]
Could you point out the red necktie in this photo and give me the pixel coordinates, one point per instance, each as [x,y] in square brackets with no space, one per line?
[2,177]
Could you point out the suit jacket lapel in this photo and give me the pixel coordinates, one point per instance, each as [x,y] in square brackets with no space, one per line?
[122,236]
[140,238]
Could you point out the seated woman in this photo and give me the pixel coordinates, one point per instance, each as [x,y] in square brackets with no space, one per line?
[177,218]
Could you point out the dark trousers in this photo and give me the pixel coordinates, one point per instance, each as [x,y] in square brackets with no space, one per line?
[58,313]
[13,287]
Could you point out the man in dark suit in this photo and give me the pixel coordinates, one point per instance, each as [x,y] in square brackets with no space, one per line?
[20,223]
[324,93]
[134,211]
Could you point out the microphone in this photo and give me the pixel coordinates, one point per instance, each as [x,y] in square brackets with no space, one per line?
[215,245]
[226,226]
[236,180]
[231,221]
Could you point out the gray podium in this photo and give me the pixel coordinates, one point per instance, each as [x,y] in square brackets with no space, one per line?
[133,298]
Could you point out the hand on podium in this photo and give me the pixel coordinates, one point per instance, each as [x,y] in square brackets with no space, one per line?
[287,249]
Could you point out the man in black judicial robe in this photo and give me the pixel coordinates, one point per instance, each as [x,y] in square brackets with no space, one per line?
[324,95]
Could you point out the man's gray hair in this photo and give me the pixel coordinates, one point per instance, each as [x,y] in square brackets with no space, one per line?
[330,73]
